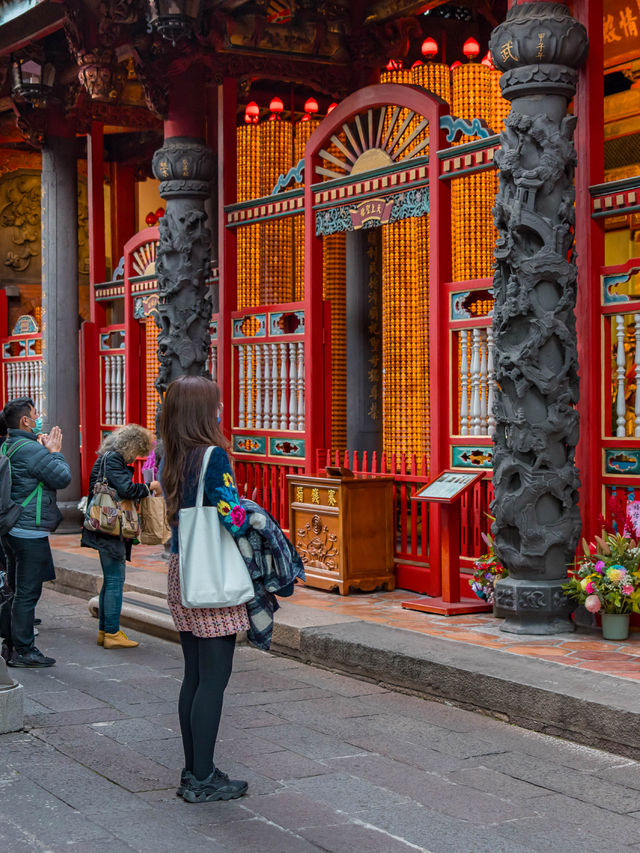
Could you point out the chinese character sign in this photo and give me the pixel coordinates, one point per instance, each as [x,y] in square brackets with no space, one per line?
[621,31]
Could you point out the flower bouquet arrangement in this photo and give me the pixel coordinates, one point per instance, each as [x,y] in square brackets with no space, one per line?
[607,579]
[487,570]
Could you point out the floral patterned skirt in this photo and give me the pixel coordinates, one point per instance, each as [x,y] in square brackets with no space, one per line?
[202,621]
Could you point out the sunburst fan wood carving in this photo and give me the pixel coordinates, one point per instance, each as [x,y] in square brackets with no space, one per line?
[144,258]
[377,138]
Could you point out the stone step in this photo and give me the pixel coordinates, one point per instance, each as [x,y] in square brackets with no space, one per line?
[82,576]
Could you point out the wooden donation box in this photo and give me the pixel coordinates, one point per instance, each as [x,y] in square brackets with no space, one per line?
[342,527]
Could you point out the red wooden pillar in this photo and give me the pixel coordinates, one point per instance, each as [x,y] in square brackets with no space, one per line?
[123,209]
[439,274]
[95,173]
[314,342]
[88,343]
[227,242]
[589,142]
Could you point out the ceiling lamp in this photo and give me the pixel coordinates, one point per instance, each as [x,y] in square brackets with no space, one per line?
[429,48]
[32,80]
[173,19]
[471,48]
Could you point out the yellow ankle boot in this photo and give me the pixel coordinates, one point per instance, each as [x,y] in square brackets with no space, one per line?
[118,640]
[101,638]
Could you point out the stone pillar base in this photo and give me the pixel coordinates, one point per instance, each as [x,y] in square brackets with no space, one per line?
[11,702]
[533,607]
[71,517]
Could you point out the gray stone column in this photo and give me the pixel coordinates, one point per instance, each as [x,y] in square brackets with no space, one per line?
[185,167]
[60,319]
[537,525]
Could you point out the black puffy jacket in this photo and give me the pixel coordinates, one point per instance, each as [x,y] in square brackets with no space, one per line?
[119,477]
[32,464]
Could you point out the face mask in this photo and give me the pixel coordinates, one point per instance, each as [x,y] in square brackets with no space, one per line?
[37,425]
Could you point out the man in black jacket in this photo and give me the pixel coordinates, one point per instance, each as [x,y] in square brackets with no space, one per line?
[38,469]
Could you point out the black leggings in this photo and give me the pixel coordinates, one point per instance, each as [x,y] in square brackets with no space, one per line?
[207,667]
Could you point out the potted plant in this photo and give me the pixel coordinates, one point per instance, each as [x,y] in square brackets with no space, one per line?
[607,581]
[487,570]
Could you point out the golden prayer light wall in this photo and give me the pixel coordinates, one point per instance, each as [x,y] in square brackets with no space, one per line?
[472,196]
[334,251]
[405,307]
[151,371]
[249,237]
[276,250]
[303,130]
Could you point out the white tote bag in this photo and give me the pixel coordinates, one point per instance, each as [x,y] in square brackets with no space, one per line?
[212,570]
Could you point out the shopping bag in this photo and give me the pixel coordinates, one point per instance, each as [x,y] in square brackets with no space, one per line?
[213,573]
[154,528]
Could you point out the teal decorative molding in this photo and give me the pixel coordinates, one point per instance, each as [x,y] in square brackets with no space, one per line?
[610,293]
[289,447]
[256,445]
[286,323]
[468,456]
[239,326]
[25,325]
[459,126]
[145,307]
[622,461]
[406,204]
[462,304]
[295,174]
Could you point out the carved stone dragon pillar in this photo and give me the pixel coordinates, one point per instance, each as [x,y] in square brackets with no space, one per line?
[537,523]
[184,167]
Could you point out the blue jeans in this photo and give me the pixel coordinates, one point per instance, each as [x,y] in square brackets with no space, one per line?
[111,593]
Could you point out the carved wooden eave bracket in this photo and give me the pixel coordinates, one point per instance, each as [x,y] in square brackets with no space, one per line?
[31,124]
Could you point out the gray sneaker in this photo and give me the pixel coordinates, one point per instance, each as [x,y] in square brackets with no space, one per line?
[217,786]
[186,778]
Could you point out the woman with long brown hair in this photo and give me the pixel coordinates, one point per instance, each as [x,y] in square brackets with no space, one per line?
[189,423]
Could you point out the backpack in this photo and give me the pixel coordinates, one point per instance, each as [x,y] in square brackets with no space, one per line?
[10,511]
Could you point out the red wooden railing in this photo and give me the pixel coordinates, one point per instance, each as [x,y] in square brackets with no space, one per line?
[410,473]
[267,485]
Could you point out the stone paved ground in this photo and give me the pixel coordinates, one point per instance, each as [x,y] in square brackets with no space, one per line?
[334,764]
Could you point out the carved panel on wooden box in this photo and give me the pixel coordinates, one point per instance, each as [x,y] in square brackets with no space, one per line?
[317,543]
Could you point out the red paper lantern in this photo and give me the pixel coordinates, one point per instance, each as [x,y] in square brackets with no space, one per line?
[276,106]
[471,48]
[311,106]
[331,107]
[429,47]
[487,61]
[160,213]
[252,113]
[394,65]
[456,65]
[150,219]
[417,63]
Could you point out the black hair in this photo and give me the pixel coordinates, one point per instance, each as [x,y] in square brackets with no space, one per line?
[15,410]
